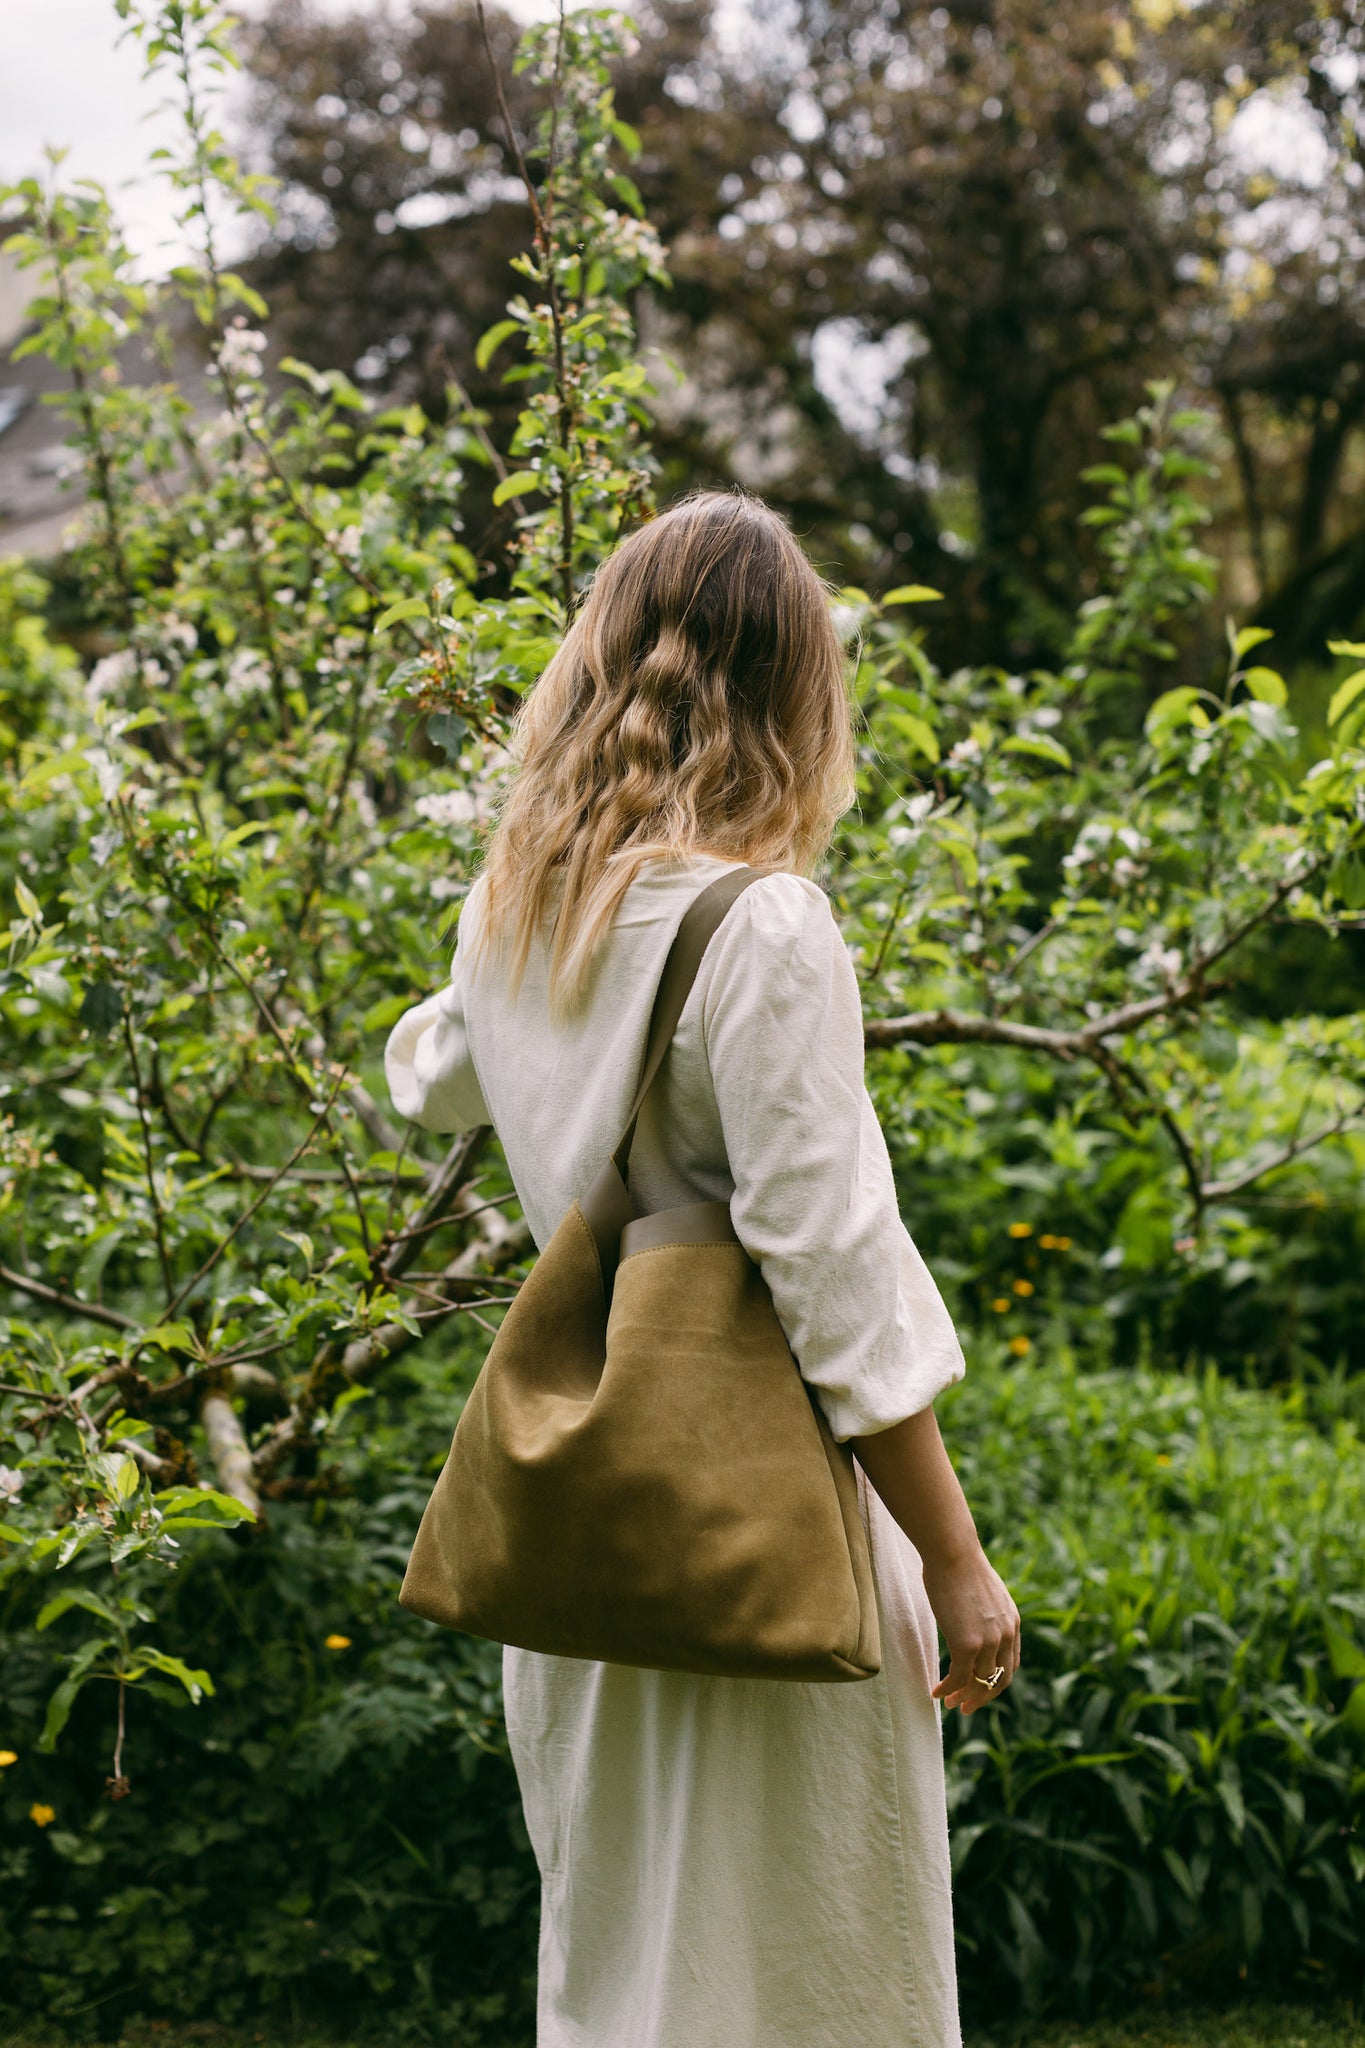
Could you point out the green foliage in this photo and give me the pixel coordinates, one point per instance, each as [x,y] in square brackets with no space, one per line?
[1067,892]
[337,1830]
[233,844]
[1173,1795]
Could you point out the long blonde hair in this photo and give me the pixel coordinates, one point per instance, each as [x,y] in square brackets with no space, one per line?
[697,704]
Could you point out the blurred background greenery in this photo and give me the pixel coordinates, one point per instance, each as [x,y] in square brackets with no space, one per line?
[1059,314]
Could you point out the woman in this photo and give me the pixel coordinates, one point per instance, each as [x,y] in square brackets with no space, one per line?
[725,1863]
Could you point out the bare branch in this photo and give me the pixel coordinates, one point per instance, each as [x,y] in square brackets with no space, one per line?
[966,1027]
[94,1311]
[1223,1190]
[228,1449]
[443,1199]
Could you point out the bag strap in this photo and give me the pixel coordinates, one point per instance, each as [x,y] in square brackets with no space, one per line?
[605,1203]
[701,921]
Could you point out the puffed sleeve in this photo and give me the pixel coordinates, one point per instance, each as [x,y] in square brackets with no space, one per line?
[428,1066]
[815,1202]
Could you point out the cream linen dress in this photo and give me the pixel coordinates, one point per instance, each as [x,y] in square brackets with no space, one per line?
[727,1863]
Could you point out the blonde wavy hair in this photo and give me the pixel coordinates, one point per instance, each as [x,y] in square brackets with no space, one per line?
[698,703]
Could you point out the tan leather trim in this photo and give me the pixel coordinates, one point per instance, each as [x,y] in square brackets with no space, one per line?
[692,1223]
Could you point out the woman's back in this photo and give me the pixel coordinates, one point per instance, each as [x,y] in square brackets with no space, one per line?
[760,1103]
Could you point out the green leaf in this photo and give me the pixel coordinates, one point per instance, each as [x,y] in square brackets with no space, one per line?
[406,608]
[490,342]
[101,1008]
[47,771]
[195,1682]
[61,1604]
[627,136]
[170,1336]
[512,486]
[1344,696]
[175,1500]
[1347,1657]
[1172,708]
[446,730]
[912,593]
[1266,685]
[1247,638]
[65,1697]
[27,901]
[1040,745]
[920,734]
[385,1012]
[1354,648]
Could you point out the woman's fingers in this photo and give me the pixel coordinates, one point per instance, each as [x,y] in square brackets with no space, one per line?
[970,1665]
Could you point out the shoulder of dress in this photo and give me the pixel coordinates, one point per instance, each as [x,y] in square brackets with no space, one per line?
[787,905]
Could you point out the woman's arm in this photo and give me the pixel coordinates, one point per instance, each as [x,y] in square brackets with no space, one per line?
[911,1471]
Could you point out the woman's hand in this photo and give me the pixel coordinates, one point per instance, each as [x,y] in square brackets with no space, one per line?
[911,1471]
[980,1624]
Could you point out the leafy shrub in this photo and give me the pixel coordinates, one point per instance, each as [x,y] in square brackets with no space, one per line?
[336,1831]
[235,842]
[1173,1794]
[1171,1798]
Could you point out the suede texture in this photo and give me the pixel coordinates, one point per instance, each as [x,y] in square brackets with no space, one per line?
[649,1483]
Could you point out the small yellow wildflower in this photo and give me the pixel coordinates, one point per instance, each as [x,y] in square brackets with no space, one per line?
[42,1816]
[1021,1230]
[1047,1242]
[338,1643]
[1023,1287]
[1061,1244]
[1162,1458]
[8,1757]
[1020,1346]
[1000,1304]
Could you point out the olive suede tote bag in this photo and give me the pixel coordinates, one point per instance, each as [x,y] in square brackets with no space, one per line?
[640,1475]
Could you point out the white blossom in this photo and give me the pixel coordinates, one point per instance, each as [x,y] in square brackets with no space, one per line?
[107,772]
[110,674]
[239,352]
[1160,963]
[247,676]
[449,807]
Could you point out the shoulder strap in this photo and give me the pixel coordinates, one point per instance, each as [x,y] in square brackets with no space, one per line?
[701,921]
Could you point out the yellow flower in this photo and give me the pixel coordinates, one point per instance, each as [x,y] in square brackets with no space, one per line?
[1061,1244]
[42,1816]
[1021,1230]
[1047,1242]
[1020,1346]
[1162,1458]
[1000,1304]
[338,1643]
[1023,1287]
[7,1757]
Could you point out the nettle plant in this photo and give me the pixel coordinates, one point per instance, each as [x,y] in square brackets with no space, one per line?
[240,824]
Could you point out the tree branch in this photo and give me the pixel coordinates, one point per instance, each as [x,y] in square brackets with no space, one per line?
[1223,1190]
[54,1298]
[228,1450]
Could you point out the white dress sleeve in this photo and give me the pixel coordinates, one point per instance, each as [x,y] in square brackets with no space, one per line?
[815,1202]
[428,1066]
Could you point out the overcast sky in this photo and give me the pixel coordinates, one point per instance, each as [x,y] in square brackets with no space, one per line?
[67,80]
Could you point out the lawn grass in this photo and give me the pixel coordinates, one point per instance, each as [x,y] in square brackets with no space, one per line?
[1247,2026]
